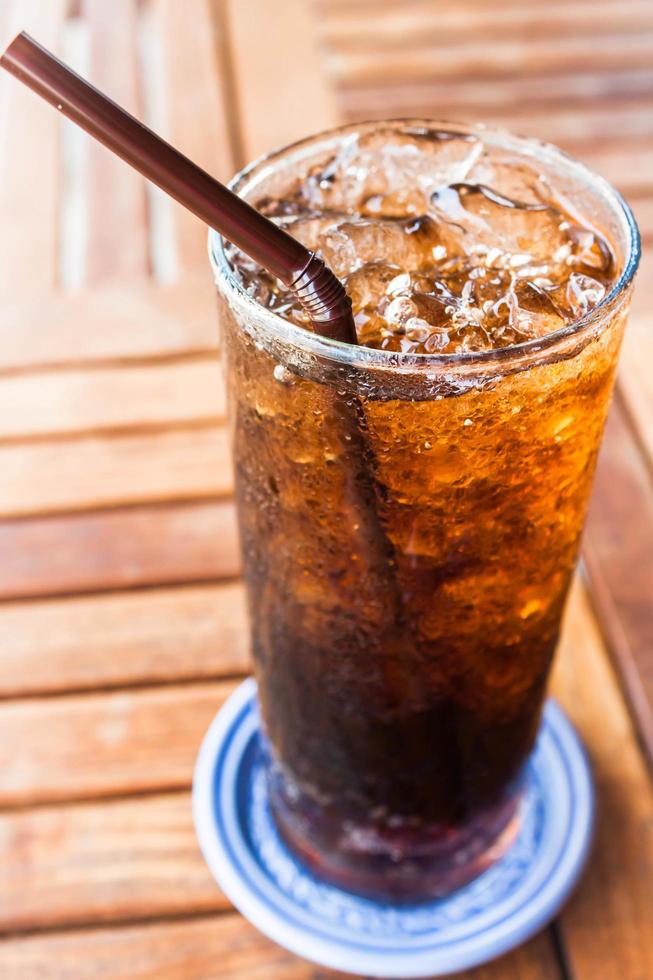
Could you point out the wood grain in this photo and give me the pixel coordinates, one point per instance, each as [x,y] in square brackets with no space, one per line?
[217,947]
[29,164]
[636,383]
[628,49]
[619,557]
[91,745]
[642,303]
[606,926]
[197,116]
[281,96]
[135,321]
[125,860]
[122,639]
[464,97]
[92,472]
[113,861]
[117,240]
[643,210]
[328,7]
[625,167]
[84,400]
[414,23]
[118,549]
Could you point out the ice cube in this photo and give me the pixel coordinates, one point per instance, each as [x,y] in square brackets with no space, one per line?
[407,244]
[590,252]
[368,284]
[495,228]
[387,173]
[578,294]
[510,177]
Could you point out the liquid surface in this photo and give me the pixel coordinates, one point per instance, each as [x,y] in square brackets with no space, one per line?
[444,246]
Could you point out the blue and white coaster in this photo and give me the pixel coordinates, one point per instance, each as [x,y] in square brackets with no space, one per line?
[496,912]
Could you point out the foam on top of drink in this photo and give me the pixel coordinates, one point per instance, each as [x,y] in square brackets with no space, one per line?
[444,245]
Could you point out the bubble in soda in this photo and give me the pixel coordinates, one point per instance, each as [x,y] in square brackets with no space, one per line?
[444,245]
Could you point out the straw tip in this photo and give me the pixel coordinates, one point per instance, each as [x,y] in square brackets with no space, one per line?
[13,46]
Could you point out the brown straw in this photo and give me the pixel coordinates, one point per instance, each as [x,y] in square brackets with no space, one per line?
[318,290]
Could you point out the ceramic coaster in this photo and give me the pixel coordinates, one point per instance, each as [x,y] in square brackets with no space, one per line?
[496,912]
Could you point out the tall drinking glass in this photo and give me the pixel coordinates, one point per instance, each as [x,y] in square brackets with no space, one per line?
[410,524]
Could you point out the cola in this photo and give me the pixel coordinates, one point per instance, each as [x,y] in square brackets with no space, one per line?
[410,509]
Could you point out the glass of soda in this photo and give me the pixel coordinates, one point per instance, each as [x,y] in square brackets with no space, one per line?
[410,508]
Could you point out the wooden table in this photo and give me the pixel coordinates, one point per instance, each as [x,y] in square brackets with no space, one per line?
[122,625]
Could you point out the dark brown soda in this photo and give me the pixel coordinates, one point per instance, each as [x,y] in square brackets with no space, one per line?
[402,728]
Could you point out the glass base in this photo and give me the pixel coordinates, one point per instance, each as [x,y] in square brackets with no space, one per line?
[399,865]
[512,901]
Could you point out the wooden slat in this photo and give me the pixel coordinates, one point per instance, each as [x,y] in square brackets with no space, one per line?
[126,638]
[195,103]
[328,7]
[642,302]
[466,98]
[643,211]
[116,398]
[117,242]
[625,167]
[135,321]
[5,21]
[606,928]
[501,58]
[118,549]
[217,947]
[636,380]
[223,947]
[29,163]
[126,469]
[619,555]
[90,745]
[414,23]
[115,861]
[281,95]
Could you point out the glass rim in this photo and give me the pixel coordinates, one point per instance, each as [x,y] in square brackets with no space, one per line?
[335,350]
